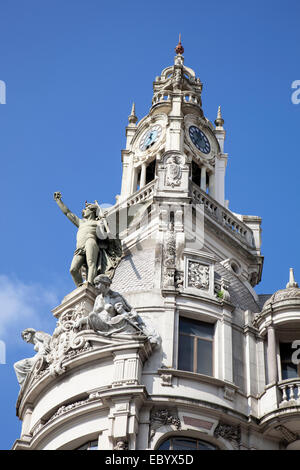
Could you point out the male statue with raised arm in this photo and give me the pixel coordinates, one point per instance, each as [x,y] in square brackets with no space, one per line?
[91,241]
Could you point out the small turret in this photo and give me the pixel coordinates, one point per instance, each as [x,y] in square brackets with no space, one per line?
[219,120]
[219,130]
[131,128]
[132,118]
[292,282]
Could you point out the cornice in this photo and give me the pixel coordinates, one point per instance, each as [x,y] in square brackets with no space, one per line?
[35,385]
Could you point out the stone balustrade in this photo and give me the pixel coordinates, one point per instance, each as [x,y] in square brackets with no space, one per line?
[192,98]
[222,215]
[142,195]
[161,97]
[290,392]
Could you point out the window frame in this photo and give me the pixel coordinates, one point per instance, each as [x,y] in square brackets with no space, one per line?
[174,437]
[281,361]
[195,344]
[88,445]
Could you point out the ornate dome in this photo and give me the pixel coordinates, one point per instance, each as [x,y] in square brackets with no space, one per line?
[292,291]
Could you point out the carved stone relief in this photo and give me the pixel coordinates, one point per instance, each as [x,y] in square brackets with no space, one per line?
[166,380]
[163,417]
[198,275]
[121,445]
[179,279]
[173,172]
[228,432]
[169,257]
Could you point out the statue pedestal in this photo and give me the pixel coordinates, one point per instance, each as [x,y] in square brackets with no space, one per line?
[80,300]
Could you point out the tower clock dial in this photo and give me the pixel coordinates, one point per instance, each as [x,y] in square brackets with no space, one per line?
[199,139]
[150,137]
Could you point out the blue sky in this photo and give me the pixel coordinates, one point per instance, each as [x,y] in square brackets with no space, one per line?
[72,70]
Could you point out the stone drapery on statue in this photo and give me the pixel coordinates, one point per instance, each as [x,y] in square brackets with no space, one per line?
[95,250]
[41,342]
[112,314]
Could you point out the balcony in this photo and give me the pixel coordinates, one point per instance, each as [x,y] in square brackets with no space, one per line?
[223,216]
[289,392]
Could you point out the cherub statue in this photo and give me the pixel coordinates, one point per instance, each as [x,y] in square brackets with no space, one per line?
[94,249]
[41,341]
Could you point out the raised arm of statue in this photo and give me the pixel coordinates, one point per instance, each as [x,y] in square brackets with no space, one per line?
[72,217]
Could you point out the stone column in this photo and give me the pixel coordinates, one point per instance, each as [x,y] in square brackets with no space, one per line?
[134,181]
[212,185]
[203,178]
[227,362]
[143,176]
[272,361]
[220,167]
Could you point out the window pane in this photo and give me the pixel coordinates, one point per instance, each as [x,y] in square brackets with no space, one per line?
[186,353]
[196,328]
[184,444]
[286,352]
[165,445]
[205,446]
[93,445]
[204,357]
[289,371]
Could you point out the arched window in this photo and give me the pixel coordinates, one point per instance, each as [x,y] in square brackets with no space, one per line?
[186,443]
[91,445]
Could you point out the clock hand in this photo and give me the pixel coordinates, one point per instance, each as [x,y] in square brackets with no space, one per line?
[149,139]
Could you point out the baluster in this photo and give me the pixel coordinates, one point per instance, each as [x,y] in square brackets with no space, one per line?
[284,395]
[298,390]
[291,387]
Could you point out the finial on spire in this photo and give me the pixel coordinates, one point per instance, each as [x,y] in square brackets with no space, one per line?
[292,282]
[219,121]
[179,48]
[132,118]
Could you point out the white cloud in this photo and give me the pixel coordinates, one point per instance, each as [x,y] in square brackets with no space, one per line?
[24,305]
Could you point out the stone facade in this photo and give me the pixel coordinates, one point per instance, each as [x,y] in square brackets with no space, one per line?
[186,258]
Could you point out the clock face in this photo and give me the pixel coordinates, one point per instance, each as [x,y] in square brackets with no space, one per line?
[150,137]
[199,139]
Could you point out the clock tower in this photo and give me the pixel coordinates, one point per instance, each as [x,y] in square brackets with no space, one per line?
[175,130]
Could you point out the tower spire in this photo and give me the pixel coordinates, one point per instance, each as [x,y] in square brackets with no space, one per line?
[179,48]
